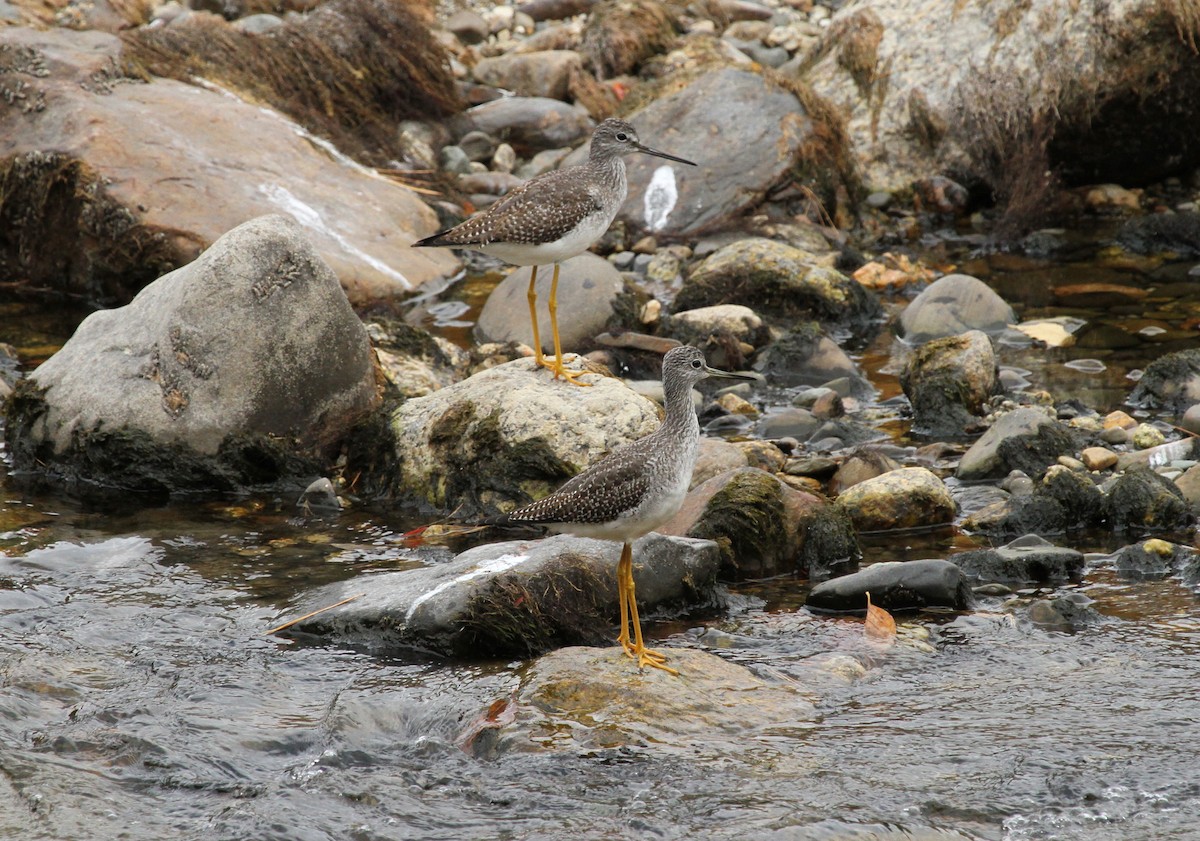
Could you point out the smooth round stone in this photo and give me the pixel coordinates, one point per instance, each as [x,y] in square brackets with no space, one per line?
[1191,420]
[453,159]
[879,200]
[1072,464]
[1114,435]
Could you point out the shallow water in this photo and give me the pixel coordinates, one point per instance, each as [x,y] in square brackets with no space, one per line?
[142,698]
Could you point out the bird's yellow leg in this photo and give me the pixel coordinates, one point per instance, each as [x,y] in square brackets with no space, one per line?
[532,296]
[645,656]
[557,366]
[623,597]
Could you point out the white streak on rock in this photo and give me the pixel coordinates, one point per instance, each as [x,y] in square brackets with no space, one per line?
[307,215]
[504,562]
[660,198]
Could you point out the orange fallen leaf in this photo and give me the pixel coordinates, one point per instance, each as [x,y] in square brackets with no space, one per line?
[879,623]
[434,534]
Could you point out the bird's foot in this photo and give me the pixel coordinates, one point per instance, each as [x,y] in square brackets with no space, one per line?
[557,367]
[627,644]
[655,660]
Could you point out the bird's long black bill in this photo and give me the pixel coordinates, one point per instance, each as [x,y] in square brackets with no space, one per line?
[729,375]
[647,150]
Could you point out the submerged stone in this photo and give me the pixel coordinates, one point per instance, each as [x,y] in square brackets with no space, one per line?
[587,699]
[896,585]
[1026,560]
[514,598]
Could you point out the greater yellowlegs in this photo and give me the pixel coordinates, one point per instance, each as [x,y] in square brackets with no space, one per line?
[553,217]
[634,489]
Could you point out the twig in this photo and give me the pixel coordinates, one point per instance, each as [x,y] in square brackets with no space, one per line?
[287,625]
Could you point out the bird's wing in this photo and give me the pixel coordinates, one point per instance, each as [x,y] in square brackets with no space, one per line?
[598,495]
[540,210]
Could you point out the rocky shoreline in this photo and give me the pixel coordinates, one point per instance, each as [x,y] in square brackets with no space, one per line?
[268,353]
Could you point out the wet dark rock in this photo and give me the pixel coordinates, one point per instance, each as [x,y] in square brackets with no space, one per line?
[1081,500]
[865,463]
[1140,499]
[1171,382]
[806,356]
[592,298]
[765,527]
[623,706]
[948,382]
[505,436]
[1156,233]
[1026,560]
[1066,614]
[240,369]
[1152,558]
[778,280]
[1035,513]
[896,585]
[514,598]
[953,305]
[910,497]
[528,123]
[319,497]
[546,73]
[1025,439]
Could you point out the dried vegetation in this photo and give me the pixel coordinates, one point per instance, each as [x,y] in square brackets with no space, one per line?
[348,72]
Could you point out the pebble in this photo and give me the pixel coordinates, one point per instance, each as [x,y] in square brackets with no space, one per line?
[504,159]
[879,200]
[736,405]
[623,260]
[1146,436]
[1072,464]
[1119,419]
[1114,435]
[1017,483]
[477,145]
[1098,458]
[454,160]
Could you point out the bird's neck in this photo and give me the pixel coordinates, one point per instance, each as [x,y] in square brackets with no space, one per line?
[681,415]
[610,171]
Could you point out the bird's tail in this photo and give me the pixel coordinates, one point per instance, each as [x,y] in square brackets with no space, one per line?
[436,239]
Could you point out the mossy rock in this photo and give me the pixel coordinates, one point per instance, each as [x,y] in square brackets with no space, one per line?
[776,279]
[1140,500]
[1171,382]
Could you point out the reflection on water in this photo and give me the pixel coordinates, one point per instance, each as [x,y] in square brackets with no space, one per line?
[143,700]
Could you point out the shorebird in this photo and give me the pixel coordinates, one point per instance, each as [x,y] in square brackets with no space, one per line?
[634,489]
[553,217]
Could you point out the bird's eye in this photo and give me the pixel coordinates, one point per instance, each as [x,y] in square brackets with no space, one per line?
[695,363]
[622,136]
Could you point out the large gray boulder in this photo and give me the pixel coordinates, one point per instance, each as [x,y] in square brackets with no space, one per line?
[934,86]
[735,168]
[519,597]
[238,369]
[117,182]
[508,435]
